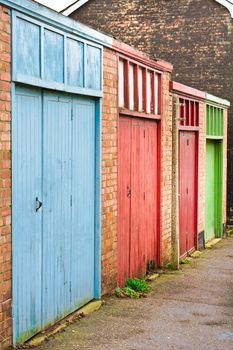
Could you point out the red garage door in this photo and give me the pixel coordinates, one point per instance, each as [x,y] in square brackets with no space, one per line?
[138,200]
[187,191]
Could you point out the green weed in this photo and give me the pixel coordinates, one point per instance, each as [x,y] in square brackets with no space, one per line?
[134,288]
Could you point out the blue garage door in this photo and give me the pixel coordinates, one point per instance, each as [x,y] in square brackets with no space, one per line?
[53,208]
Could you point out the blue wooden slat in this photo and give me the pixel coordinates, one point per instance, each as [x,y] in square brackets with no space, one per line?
[26,177]
[93,68]
[57,207]
[53,56]
[83,209]
[27,48]
[75,63]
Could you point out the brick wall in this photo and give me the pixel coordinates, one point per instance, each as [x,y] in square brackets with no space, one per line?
[166,171]
[195,35]
[109,175]
[5,179]
[201,166]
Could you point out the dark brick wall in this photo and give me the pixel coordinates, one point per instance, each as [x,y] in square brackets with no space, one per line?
[195,35]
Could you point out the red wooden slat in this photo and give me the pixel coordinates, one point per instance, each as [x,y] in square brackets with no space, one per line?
[151,184]
[187,116]
[182,112]
[137,240]
[124,187]
[136,106]
[126,83]
[152,108]
[144,89]
[197,113]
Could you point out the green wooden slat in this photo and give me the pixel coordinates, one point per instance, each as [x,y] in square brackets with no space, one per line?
[214,121]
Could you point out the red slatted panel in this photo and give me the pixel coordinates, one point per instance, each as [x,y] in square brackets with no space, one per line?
[189,113]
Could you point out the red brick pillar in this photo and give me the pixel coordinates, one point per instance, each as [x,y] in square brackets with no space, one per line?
[5,179]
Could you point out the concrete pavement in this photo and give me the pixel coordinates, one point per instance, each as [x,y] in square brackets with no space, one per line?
[190,309]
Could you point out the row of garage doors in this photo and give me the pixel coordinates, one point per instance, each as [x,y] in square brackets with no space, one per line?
[54,203]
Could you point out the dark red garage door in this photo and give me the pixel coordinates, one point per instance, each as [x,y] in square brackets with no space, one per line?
[138,200]
[187,191]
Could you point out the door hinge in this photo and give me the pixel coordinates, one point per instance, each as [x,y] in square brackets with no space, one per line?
[71,200]
[144,195]
[144,133]
[72,114]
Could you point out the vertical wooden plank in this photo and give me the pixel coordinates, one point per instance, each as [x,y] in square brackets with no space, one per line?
[187,113]
[131,87]
[144,89]
[26,221]
[75,63]
[27,48]
[137,237]
[197,113]
[124,198]
[82,257]
[160,93]
[156,93]
[140,89]
[153,92]
[182,112]
[93,67]
[121,84]
[98,197]
[53,56]
[151,192]
[192,113]
[136,88]
[57,157]
[126,84]
[149,92]
[207,119]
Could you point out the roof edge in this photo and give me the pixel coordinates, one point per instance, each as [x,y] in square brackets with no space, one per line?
[73,7]
[129,51]
[220,101]
[226,4]
[187,90]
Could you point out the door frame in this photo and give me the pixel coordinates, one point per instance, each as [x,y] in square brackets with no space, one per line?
[98,188]
[218,196]
[196,132]
[159,184]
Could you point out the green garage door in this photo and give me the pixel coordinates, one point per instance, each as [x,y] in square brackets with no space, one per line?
[213,196]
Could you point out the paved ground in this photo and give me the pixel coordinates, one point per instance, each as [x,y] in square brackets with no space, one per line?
[191,309]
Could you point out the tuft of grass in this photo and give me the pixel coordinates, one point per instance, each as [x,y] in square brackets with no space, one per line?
[138,285]
[134,288]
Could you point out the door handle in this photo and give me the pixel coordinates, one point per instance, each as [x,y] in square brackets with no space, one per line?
[128,192]
[38,204]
